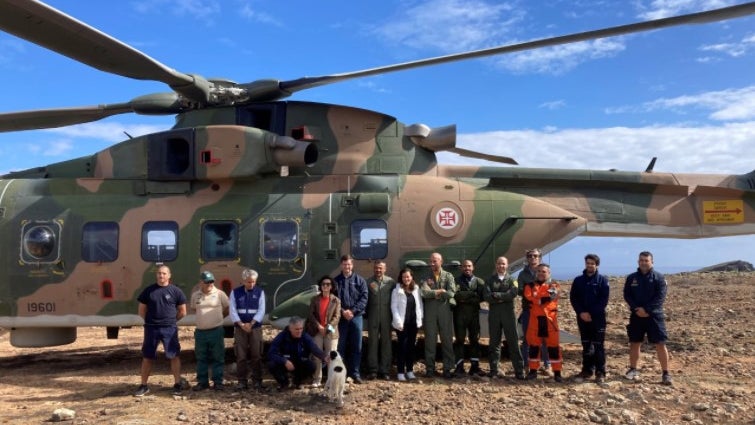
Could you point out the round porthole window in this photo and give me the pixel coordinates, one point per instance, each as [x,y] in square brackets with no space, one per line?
[39,241]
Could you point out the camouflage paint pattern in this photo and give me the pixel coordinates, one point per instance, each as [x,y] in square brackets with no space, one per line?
[321,168]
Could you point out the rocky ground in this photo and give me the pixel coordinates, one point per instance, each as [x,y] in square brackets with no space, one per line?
[712,341]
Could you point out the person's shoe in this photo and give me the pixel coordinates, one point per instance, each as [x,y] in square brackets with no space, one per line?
[632,374]
[177,389]
[520,376]
[316,385]
[600,378]
[200,387]
[431,374]
[582,377]
[495,374]
[141,391]
[357,379]
[557,376]
[447,374]
[532,375]
[372,376]
[242,386]
[218,386]
[475,369]
[383,377]
[259,386]
[666,379]
[546,370]
[410,376]
[284,386]
[460,369]
[401,377]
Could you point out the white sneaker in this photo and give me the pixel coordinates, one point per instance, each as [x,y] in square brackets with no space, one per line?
[401,377]
[410,376]
[632,374]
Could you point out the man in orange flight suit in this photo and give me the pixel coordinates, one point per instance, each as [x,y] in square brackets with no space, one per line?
[543,323]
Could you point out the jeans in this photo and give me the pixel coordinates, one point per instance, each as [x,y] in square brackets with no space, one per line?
[350,344]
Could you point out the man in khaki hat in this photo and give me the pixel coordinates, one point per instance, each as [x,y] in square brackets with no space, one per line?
[210,306]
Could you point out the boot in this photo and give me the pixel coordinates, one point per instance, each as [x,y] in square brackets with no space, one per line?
[459,368]
[475,369]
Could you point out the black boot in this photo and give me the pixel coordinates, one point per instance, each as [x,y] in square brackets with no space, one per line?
[459,368]
[475,369]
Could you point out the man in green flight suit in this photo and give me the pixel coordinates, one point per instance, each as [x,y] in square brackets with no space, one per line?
[500,293]
[379,317]
[437,290]
[467,317]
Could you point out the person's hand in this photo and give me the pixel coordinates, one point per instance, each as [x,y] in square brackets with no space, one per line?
[585,316]
[321,329]
[348,314]
[289,366]
[640,311]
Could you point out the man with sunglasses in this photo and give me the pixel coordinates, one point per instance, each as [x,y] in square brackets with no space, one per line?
[527,276]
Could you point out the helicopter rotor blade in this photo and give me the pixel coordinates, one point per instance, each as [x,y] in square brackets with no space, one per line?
[153,104]
[50,28]
[474,154]
[708,16]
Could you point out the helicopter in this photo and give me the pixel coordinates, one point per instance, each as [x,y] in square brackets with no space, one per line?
[248,179]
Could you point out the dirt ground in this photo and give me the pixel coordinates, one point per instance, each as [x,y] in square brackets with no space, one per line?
[711,343]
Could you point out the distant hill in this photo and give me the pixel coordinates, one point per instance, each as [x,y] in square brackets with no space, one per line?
[729,266]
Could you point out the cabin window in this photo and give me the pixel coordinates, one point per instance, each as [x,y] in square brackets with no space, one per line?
[99,242]
[369,239]
[160,241]
[280,240]
[220,240]
[40,242]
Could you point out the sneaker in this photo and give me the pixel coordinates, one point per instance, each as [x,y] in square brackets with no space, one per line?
[520,376]
[582,377]
[200,387]
[401,377]
[177,389]
[600,378]
[316,385]
[632,374]
[141,391]
[357,379]
[666,379]
[532,375]
[546,371]
[410,376]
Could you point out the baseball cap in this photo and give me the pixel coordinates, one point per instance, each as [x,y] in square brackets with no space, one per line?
[207,277]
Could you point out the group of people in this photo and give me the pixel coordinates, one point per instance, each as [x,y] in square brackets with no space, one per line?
[444,306]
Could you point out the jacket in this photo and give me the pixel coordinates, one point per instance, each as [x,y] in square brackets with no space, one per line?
[589,294]
[332,314]
[398,307]
[647,291]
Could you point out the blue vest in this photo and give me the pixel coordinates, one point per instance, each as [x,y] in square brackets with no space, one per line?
[247,303]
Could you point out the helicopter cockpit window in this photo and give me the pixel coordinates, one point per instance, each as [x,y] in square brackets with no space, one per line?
[369,239]
[220,240]
[280,240]
[159,241]
[40,242]
[99,242]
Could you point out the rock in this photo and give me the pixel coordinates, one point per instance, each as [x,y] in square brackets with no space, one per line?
[729,266]
[62,414]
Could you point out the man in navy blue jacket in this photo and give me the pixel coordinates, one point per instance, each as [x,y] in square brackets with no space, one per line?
[353,292]
[290,353]
[589,298]
[645,292]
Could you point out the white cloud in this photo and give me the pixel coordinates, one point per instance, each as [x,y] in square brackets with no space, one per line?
[560,59]
[728,148]
[658,9]
[451,25]
[255,15]
[197,9]
[553,104]
[736,49]
[726,105]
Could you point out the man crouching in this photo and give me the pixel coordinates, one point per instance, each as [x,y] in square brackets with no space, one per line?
[290,353]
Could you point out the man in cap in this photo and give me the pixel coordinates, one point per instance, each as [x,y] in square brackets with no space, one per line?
[210,307]
[247,311]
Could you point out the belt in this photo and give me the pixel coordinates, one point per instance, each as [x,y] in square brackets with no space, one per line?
[246,311]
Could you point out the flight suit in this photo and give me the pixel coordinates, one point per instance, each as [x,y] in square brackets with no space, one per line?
[543,324]
[500,294]
[467,319]
[438,318]
[379,319]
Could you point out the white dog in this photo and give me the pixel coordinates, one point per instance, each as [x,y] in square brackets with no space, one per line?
[336,382]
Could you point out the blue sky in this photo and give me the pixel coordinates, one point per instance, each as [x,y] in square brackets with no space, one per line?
[682,94]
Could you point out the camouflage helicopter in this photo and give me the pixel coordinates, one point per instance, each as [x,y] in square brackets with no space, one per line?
[247,179]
